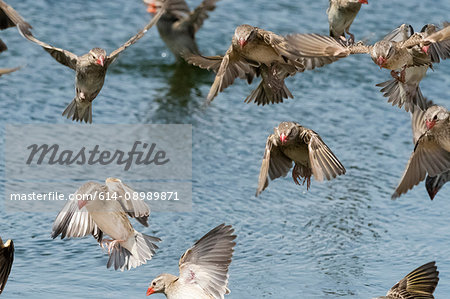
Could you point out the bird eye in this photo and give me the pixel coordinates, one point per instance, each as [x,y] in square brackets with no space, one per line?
[153,283]
[435,117]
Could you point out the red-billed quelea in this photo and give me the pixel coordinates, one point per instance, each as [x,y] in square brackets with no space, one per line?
[6,261]
[431,153]
[203,268]
[103,209]
[10,18]
[394,52]
[419,284]
[341,14]
[257,52]
[178,25]
[432,183]
[406,91]
[90,71]
[292,142]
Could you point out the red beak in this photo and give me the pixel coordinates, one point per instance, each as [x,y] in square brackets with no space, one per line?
[363,1]
[101,61]
[381,61]
[81,204]
[283,138]
[242,42]
[150,291]
[430,124]
[151,8]
[425,49]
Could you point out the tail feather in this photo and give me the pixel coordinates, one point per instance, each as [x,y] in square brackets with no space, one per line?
[403,94]
[143,248]
[79,111]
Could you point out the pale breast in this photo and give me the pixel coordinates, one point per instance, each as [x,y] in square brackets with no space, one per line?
[114,224]
[298,153]
[261,52]
[183,291]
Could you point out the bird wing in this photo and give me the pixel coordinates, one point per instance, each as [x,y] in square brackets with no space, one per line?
[228,68]
[441,35]
[73,222]
[400,34]
[427,157]
[438,49]
[6,261]
[417,121]
[62,56]
[198,15]
[420,283]
[7,71]
[206,263]
[135,208]
[275,164]
[324,163]
[316,45]
[9,17]
[3,46]
[111,57]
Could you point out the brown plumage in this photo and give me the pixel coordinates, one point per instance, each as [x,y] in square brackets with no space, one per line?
[257,52]
[394,52]
[178,25]
[9,17]
[431,153]
[90,70]
[419,284]
[341,14]
[291,142]
[6,261]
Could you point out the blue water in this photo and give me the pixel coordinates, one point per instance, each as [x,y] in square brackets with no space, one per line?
[341,239]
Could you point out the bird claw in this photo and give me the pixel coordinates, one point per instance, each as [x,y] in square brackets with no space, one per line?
[109,244]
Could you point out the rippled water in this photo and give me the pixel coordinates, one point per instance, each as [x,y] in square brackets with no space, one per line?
[341,239]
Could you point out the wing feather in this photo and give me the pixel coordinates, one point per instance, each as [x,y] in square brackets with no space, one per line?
[73,222]
[206,263]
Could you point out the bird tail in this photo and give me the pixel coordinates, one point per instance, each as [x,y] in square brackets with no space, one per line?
[272,88]
[142,248]
[434,184]
[403,94]
[79,111]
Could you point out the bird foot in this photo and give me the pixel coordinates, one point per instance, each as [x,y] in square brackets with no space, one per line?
[399,76]
[109,244]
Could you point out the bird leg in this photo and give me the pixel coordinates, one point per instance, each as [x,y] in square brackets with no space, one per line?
[399,76]
[351,39]
[109,244]
[300,172]
[296,175]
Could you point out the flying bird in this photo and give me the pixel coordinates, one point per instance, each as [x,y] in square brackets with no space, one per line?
[90,70]
[178,25]
[432,184]
[257,52]
[341,14]
[431,153]
[292,142]
[405,90]
[103,209]
[395,52]
[420,283]
[6,260]
[203,268]
[9,17]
